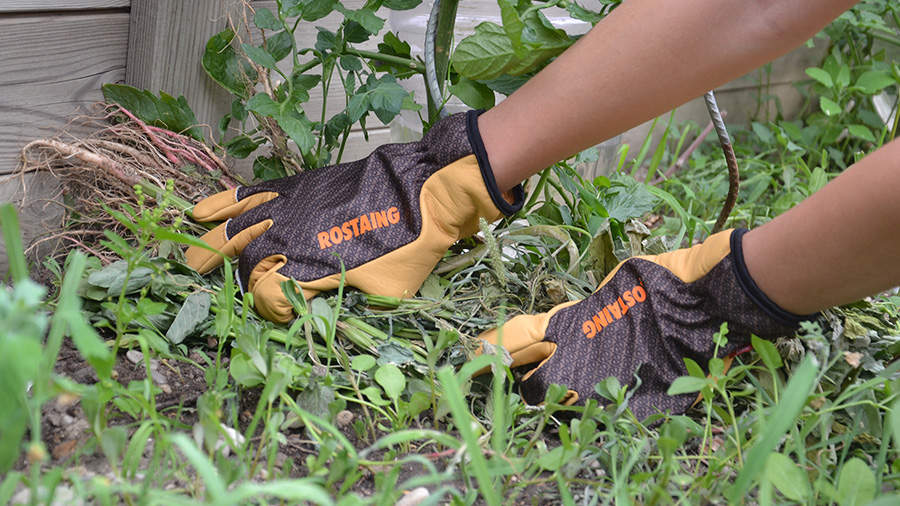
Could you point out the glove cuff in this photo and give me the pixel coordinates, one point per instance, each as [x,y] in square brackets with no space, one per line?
[753,291]
[487,173]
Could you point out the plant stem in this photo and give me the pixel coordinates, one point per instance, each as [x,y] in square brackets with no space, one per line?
[399,60]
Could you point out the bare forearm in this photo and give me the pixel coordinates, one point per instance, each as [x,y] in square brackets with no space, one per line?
[837,246]
[646,58]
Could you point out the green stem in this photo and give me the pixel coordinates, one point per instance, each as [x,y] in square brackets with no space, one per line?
[398,60]
[886,38]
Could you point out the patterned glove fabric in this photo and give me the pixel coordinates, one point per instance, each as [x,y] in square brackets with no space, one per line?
[389,217]
[648,314]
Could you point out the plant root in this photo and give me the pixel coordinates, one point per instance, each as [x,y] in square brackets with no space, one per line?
[103,171]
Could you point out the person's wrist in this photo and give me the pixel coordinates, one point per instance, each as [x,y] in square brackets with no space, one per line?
[509,200]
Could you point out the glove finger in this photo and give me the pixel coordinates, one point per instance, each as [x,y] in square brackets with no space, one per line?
[523,338]
[265,285]
[203,260]
[224,205]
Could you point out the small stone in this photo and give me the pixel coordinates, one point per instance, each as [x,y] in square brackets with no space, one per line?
[414,497]
[344,418]
[64,450]
[134,356]
[165,388]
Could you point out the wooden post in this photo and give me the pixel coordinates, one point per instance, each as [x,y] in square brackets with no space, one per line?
[165,50]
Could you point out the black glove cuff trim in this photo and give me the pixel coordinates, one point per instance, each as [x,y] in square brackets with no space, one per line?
[752,289]
[487,173]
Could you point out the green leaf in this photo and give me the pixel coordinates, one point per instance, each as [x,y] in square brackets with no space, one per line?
[862,132]
[821,76]
[686,384]
[164,111]
[555,458]
[789,479]
[579,12]
[873,81]
[362,362]
[489,53]
[241,146]
[317,9]
[243,371]
[113,441]
[266,20]
[112,277]
[349,62]
[401,5]
[763,133]
[315,398]
[767,352]
[781,418]
[843,77]
[280,45]
[386,100]
[365,17]
[512,25]
[627,200]
[856,483]
[222,64]
[299,130]
[391,380]
[194,312]
[358,107]
[262,103]
[12,238]
[259,56]
[392,353]
[473,93]
[268,167]
[829,107]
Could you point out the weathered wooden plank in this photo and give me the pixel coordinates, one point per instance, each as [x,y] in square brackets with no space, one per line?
[166,46]
[7,6]
[51,67]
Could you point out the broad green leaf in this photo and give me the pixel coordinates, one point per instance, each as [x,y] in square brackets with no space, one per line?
[512,25]
[315,398]
[317,9]
[862,132]
[821,76]
[194,312]
[243,371]
[817,180]
[164,111]
[579,12]
[113,441]
[268,167]
[259,56]
[392,353]
[628,200]
[489,53]
[266,20]
[829,107]
[365,17]
[358,107]
[223,65]
[391,380]
[362,362]
[873,81]
[787,477]
[241,146]
[473,93]
[555,458]
[401,5]
[112,277]
[856,483]
[843,77]
[298,130]
[263,104]
[763,133]
[386,100]
[280,45]
[767,352]
[686,384]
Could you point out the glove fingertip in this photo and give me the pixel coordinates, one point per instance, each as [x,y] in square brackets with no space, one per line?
[209,208]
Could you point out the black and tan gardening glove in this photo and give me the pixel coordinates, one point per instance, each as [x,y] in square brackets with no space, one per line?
[389,217]
[648,314]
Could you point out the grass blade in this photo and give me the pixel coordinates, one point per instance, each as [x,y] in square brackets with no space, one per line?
[9,222]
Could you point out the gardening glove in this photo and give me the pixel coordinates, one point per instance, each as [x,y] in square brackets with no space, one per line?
[648,314]
[389,218]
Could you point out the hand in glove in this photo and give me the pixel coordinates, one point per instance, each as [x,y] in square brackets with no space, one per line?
[389,217]
[648,314]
